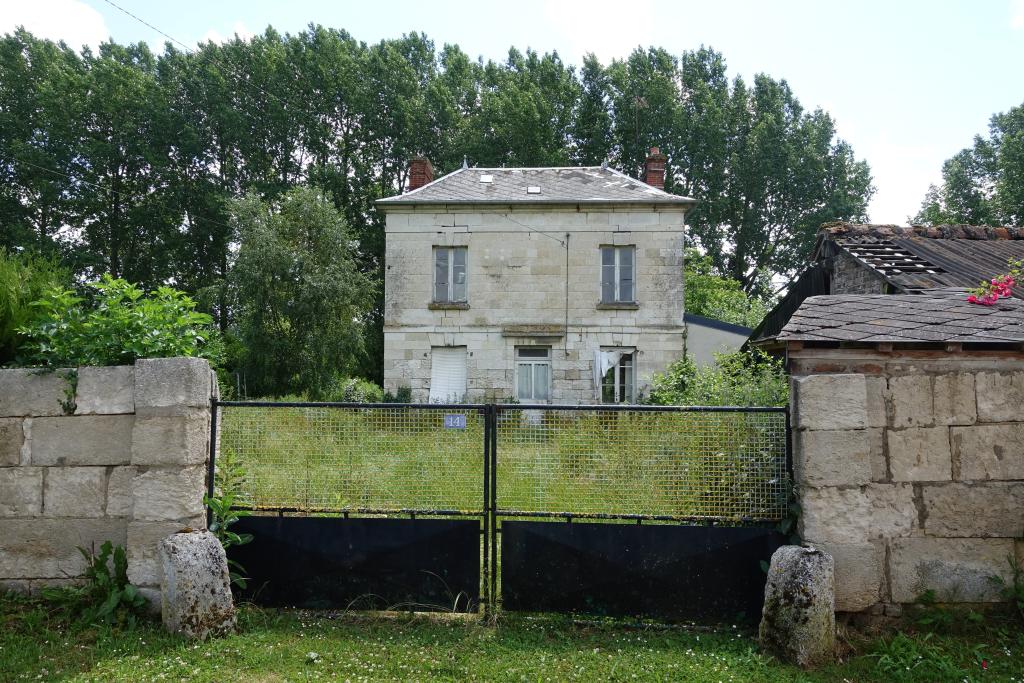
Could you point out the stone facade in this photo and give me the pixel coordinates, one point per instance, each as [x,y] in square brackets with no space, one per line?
[533,280]
[100,454]
[909,468]
[850,276]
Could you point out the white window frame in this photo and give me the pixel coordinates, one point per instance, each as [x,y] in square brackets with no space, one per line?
[533,362]
[617,268]
[629,357]
[449,282]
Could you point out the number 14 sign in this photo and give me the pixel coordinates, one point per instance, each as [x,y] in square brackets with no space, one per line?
[454,421]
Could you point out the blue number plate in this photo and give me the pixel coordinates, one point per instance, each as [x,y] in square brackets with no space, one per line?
[454,421]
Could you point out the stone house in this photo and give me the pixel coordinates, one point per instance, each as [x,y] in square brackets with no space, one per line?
[853,258]
[543,285]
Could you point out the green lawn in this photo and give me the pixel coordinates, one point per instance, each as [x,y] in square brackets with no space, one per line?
[38,643]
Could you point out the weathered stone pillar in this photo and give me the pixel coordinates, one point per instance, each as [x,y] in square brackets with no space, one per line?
[195,585]
[798,622]
[170,445]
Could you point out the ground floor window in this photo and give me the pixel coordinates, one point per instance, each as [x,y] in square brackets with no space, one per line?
[619,380]
[533,373]
[447,374]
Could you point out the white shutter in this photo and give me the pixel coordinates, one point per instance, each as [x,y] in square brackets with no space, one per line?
[447,374]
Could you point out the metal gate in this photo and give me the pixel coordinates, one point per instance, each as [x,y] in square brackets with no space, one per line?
[359,506]
[639,510]
[626,510]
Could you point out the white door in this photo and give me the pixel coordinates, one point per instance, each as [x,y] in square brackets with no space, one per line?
[447,374]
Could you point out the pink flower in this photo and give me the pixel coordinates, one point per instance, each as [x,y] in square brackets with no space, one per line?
[972,299]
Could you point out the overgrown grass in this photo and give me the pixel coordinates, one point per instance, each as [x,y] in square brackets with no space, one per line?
[727,465]
[38,642]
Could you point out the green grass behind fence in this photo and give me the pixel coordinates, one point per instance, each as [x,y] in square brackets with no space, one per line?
[680,464]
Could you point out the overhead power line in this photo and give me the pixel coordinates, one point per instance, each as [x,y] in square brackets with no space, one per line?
[240,77]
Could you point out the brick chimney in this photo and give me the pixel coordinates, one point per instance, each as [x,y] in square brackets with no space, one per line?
[420,172]
[654,169]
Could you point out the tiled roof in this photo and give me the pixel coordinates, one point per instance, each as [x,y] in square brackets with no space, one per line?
[917,258]
[905,318]
[583,184]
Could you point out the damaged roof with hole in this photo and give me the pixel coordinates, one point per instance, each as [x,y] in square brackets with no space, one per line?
[900,318]
[919,259]
[573,185]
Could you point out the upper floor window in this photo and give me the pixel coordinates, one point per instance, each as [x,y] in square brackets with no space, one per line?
[617,266]
[533,373]
[450,274]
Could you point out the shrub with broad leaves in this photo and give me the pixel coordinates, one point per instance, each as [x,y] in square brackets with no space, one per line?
[118,324]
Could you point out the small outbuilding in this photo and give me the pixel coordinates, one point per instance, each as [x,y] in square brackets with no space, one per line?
[908,443]
[851,258]
[706,336]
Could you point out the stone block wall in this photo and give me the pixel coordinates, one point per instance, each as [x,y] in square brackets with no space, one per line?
[96,454]
[909,468]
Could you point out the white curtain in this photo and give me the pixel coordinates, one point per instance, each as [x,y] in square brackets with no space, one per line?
[604,360]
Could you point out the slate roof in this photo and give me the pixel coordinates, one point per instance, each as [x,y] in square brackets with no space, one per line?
[873,318]
[919,259]
[574,185]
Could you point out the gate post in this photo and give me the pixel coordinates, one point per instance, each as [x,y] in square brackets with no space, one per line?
[493,504]
[487,597]
[211,464]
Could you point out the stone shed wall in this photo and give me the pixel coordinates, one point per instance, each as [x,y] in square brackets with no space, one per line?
[910,470]
[97,454]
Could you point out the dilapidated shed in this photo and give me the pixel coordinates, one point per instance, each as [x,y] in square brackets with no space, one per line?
[851,258]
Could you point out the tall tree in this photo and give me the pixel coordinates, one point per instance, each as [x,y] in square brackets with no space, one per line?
[301,299]
[645,101]
[765,172]
[128,162]
[982,184]
[526,106]
[592,120]
[36,145]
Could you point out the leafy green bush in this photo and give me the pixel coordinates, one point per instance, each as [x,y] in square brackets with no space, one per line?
[355,390]
[107,596]
[738,379]
[222,518]
[119,324]
[946,616]
[23,279]
[401,395]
